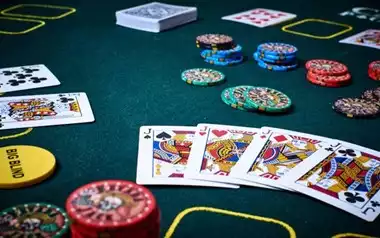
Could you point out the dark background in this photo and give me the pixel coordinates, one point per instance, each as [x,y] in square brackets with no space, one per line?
[132,78]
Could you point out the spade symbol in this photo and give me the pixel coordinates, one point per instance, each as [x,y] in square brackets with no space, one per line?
[147,137]
[1,125]
[163,136]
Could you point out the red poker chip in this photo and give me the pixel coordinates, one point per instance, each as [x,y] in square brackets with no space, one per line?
[373,75]
[374,66]
[316,81]
[326,67]
[343,79]
[112,205]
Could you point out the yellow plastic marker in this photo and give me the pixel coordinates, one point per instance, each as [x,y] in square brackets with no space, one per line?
[8,11]
[22,165]
[38,25]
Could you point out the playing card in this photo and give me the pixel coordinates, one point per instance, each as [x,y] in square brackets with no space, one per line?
[155,11]
[44,110]
[347,178]
[26,77]
[163,156]
[260,17]
[278,151]
[369,38]
[216,150]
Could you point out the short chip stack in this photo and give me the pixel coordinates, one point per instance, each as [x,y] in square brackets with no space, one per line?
[327,73]
[203,77]
[219,49]
[367,105]
[256,99]
[374,70]
[276,56]
[113,208]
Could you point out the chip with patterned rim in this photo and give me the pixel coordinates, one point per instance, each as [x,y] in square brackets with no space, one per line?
[326,67]
[356,107]
[374,66]
[110,204]
[275,67]
[227,100]
[237,97]
[267,99]
[277,49]
[369,95]
[215,42]
[202,76]
[34,220]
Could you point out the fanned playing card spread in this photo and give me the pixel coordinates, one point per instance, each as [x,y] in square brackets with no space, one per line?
[260,17]
[26,77]
[155,16]
[368,38]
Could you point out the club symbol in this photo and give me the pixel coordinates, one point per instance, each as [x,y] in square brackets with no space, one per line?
[329,149]
[375,204]
[353,198]
[14,82]
[65,100]
[22,76]
[37,79]
[349,152]
[28,71]
[8,72]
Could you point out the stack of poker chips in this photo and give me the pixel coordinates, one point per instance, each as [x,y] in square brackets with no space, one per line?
[276,56]
[113,208]
[34,220]
[219,49]
[327,73]
[256,99]
[374,70]
[203,77]
[367,105]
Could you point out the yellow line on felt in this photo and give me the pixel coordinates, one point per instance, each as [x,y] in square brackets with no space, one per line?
[181,215]
[351,235]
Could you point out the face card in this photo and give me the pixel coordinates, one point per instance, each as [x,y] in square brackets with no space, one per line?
[348,178]
[216,150]
[368,38]
[26,77]
[277,152]
[260,17]
[156,11]
[44,110]
[163,156]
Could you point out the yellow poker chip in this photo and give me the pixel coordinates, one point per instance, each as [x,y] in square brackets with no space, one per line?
[22,165]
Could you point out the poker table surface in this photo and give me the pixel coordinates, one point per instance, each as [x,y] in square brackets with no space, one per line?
[132,78]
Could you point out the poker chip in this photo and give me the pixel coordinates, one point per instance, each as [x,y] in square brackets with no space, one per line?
[375,75]
[329,81]
[267,99]
[236,51]
[277,49]
[274,67]
[202,77]
[356,107]
[370,96]
[376,92]
[273,60]
[113,208]
[237,96]
[223,61]
[24,166]
[374,67]
[276,58]
[215,42]
[34,220]
[326,67]
[226,98]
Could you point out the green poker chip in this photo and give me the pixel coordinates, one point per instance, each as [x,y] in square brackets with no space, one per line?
[34,220]
[267,99]
[227,100]
[237,96]
[203,76]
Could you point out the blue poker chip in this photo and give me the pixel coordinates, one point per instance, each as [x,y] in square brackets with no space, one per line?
[277,49]
[224,53]
[266,59]
[225,62]
[278,58]
[218,58]
[273,67]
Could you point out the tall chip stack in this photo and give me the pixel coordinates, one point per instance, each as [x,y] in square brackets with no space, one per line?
[275,56]
[115,209]
[219,49]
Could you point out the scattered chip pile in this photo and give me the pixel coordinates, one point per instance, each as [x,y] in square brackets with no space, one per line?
[113,208]
[276,56]
[327,73]
[203,77]
[219,49]
[256,99]
[374,70]
[367,105]
[34,220]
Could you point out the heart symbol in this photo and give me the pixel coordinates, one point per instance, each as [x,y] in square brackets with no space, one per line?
[202,133]
[219,133]
[262,137]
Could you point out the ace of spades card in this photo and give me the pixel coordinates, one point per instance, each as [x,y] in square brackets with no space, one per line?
[44,110]
[216,150]
[347,178]
[26,77]
[278,151]
[163,156]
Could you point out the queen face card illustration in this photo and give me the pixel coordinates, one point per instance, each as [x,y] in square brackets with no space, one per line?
[368,38]
[216,150]
[26,77]
[44,110]
[163,156]
[348,178]
[270,159]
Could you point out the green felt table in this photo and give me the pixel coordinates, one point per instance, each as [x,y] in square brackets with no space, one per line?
[132,78]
